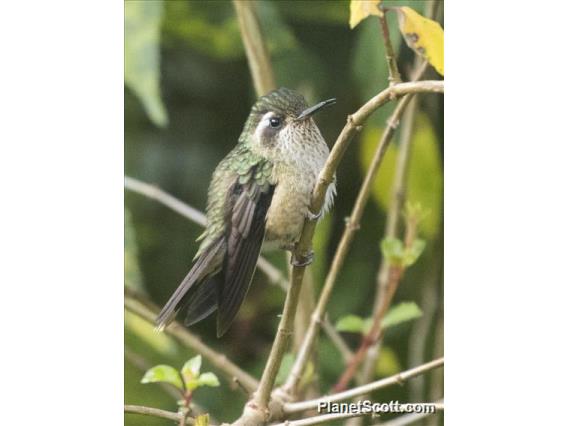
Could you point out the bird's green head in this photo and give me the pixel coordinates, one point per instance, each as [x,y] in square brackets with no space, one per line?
[280,119]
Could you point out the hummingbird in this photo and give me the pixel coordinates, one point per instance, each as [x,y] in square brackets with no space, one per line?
[261,191]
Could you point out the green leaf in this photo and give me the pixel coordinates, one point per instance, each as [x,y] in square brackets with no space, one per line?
[412,254]
[164,374]
[190,370]
[208,379]
[351,324]
[142,56]
[425,180]
[393,250]
[285,367]
[202,420]
[404,311]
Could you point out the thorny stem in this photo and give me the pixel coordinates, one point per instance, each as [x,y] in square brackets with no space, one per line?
[147,311]
[395,272]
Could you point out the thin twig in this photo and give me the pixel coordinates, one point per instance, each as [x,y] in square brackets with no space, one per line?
[255,48]
[393,215]
[394,75]
[407,419]
[296,407]
[337,340]
[147,311]
[396,272]
[153,192]
[324,418]
[155,412]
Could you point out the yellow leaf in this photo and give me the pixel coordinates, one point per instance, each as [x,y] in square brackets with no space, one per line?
[424,36]
[202,420]
[360,9]
[388,363]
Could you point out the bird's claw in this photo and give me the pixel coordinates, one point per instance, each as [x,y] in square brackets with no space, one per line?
[312,216]
[303,260]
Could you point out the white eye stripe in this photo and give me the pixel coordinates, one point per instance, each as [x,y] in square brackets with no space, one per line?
[265,120]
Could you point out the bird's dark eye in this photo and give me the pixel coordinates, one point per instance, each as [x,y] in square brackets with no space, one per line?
[275,122]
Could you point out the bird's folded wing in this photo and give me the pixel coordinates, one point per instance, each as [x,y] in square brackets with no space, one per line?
[248,205]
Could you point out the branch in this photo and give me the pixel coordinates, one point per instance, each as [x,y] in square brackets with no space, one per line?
[337,340]
[153,192]
[296,407]
[394,75]
[324,418]
[255,48]
[395,274]
[147,311]
[410,418]
[352,225]
[397,200]
[256,411]
[156,412]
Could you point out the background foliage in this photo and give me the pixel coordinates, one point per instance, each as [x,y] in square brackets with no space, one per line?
[187,94]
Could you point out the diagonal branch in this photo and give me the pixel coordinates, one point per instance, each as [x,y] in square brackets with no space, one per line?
[147,311]
[296,407]
[324,418]
[255,48]
[257,411]
[353,223]
[407,419]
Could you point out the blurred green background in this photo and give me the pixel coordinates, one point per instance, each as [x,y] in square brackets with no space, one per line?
[188,92]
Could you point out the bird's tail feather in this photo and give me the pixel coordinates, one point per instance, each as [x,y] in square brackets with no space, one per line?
[203,301]
[204,267]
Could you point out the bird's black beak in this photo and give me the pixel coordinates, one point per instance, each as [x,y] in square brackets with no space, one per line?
[313,109]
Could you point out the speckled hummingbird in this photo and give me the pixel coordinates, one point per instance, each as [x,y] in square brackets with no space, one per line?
[259,192]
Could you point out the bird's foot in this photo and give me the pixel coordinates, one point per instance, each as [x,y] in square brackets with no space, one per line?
[302,260]
[312,216]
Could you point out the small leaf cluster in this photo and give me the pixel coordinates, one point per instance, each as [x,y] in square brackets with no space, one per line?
[186,380]
[397,254]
